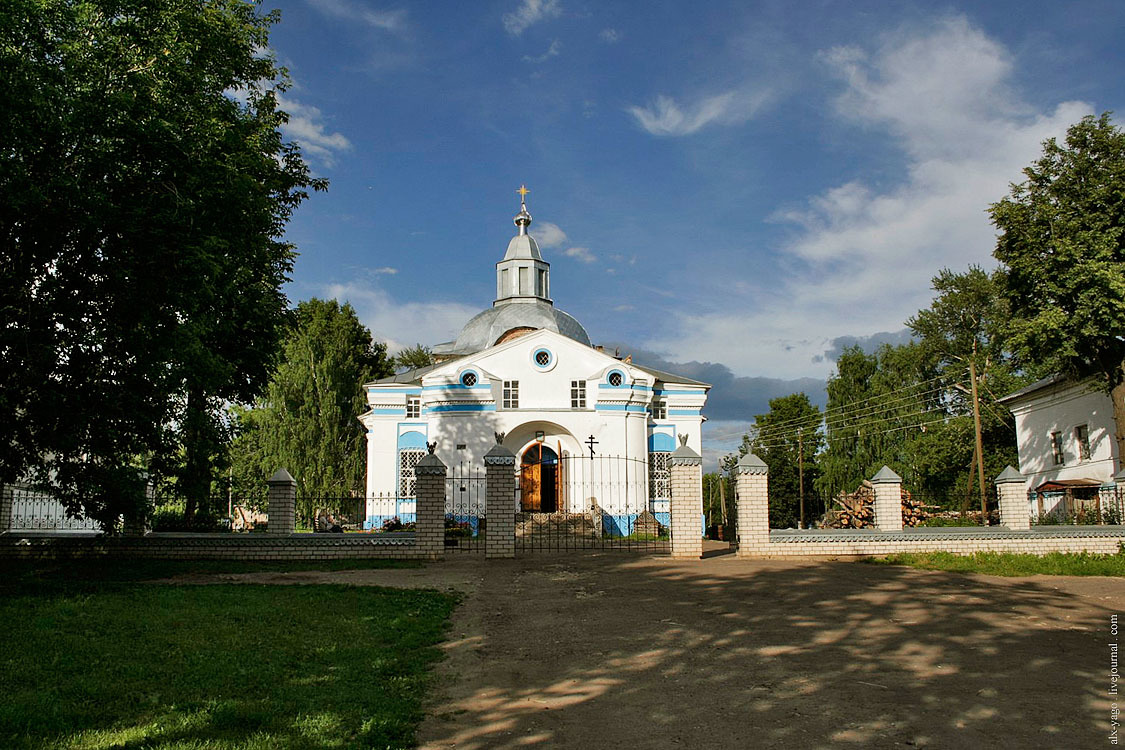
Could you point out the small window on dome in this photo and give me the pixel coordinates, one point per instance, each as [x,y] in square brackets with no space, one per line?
[615,379]
[469,379]
[543,358]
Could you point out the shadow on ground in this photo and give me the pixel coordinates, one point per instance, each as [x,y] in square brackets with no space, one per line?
[610,650]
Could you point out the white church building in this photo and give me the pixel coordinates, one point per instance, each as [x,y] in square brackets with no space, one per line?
[590,431]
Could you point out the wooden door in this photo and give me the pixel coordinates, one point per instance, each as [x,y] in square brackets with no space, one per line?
[531,487]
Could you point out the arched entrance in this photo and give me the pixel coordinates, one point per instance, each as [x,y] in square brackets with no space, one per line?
[539,480]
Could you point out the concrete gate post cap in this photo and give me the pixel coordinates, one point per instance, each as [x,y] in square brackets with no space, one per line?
[1010,476]
[886,476]
[281,476]
[430,465]
[751,464]
[498,455]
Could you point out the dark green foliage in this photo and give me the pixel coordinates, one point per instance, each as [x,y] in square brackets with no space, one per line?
[1062,243]
[413,357]
[218,666]
[142,207]
[791,426]
[307,422]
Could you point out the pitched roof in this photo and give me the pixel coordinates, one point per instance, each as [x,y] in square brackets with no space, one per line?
[409,377]
[1036,386]
[669,377]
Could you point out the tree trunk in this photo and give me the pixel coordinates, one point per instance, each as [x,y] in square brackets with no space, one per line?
[195,480]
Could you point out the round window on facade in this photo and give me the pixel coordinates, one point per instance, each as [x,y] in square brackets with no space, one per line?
[543,359]
[469,379]
[616,379]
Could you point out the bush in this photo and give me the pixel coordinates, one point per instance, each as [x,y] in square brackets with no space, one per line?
[172,519]
[395,524]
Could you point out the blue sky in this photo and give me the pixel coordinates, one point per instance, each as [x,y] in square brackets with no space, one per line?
[739,184]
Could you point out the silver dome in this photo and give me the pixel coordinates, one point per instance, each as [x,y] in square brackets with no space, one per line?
[489,325]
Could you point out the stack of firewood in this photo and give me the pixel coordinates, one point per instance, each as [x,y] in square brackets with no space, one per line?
[856,510]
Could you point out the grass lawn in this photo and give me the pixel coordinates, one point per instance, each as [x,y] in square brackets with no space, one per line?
[110,662]
[1004,564]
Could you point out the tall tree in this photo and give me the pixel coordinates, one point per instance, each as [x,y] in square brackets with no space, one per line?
[788,438]
[307,421]
[1062,243]
[959,336]
[144,190]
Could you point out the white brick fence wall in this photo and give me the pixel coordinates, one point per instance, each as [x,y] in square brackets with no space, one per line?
[889,537]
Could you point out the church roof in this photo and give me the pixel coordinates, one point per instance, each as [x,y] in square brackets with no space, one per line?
[523,246]
[407,377]
[487,326]
[669,377]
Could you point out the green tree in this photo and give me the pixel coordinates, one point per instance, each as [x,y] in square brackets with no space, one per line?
[413,357]
[1062,243]
[144,191]
[307,421]
[786,437]
[958,335]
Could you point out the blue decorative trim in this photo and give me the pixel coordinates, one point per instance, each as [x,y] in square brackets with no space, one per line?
[624,379]
[458,407]
[550,358]
[661,441]
[411,439]
[636,408]
[389,410]
[685,412]
[664,392]
[459,387]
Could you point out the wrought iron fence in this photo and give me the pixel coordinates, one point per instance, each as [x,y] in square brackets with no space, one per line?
[1079,506]
[599,502]
[466,521]
[39,510]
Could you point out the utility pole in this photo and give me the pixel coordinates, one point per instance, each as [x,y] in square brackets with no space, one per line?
[801,475]
[980,444]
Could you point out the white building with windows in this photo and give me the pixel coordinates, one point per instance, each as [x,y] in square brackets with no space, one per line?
[1065,439]
[590,431]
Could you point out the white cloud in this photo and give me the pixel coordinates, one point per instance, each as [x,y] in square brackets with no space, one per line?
[609,36]
[552,51]
[305,127]
[385,270]
[548,234]
[402,324]
[388,20]
[580,253]
[667,117]
[863,255]
[528,13]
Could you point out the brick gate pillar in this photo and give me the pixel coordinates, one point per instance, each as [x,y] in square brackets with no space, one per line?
[1011,496]
[888,500]
[429,499]
[500,503]
[752,502]
[281,503]
[687,502]
[7,500]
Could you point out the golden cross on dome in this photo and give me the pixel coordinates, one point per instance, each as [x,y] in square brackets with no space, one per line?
[523,191]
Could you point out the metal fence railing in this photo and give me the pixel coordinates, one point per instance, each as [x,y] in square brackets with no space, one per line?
[1094,506]
[39,510]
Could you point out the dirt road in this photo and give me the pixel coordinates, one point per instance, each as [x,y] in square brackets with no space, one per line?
[611,650]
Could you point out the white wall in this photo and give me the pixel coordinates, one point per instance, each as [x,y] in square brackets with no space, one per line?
[1061,408]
